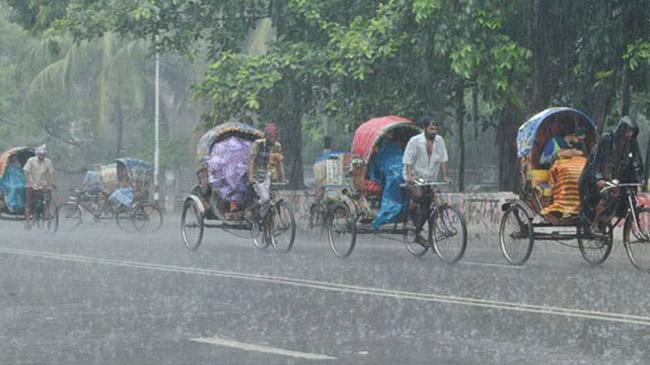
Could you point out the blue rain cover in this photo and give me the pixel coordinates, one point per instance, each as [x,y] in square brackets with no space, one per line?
[13,182]
[386,170]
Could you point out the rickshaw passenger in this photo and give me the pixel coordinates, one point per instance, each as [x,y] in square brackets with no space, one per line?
[385,169]
[265,154]
[567,146]
[13,183]
[425,156]
[39,173]
[617,157]
[124,194]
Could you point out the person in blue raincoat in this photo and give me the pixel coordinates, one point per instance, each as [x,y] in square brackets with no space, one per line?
[386,170]
[13,183]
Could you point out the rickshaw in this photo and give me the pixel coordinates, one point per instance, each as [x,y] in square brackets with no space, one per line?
[523,220]
[100,182]
[13,194]
[358,202]
[222,194]
[329,173]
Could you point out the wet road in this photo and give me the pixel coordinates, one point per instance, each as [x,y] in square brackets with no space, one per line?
[100,296]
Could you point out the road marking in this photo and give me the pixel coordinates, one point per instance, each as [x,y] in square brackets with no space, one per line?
[477,263]
[344,288]
[258,348]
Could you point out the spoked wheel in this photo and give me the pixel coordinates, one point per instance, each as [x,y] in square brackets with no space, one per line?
[70,216]
[342,231]
[260,234]
[596,249]
[283,231]
[448,234]
[147,218]
[124,219]
[317,217]
[51,217]
[516,235]
[192,225]
[636,238]
[414,247]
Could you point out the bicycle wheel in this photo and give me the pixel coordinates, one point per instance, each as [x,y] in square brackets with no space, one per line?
[124,219]
[283,227]
[411,243]
[259,234]
[516,235]
[448,234]
[192,226]
[595,250]
[636,238]
[50,217]
[70,216]
[342,231]
[147,218]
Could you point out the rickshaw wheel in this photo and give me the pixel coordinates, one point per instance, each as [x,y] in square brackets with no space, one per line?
[125,220]
[147,218]
[70,215]
[283,229]
[595,251]
[317,217]
[412,246]
[448,234]
[260,235]
[192,225]
[342,231]
[636,239]
[516,235]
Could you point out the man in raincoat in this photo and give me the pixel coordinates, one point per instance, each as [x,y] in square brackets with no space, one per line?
[617,157]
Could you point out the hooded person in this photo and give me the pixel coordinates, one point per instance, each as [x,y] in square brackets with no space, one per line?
[616,157]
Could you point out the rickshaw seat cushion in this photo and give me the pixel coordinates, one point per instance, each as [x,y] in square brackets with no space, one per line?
[539,175]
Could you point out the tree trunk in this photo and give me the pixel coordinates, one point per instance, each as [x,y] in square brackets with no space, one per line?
[292,138]
[626,98]
[120,132]
[541,81]
[460,119]
[509,170]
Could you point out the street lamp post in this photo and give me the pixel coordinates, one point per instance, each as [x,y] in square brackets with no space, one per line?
[156,158]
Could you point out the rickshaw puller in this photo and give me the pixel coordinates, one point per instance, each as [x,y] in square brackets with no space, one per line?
[425,156]
[265,153]
[39,173]
[617,157]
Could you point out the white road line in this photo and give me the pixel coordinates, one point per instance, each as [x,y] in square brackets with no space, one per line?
[502,266]
[258,348]
[354,289]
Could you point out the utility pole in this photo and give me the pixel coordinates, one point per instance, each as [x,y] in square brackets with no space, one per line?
[156,158]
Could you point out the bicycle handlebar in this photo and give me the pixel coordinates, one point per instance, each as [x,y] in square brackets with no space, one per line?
[615,184]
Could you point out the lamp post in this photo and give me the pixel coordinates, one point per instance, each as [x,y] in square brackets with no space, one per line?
[156,154]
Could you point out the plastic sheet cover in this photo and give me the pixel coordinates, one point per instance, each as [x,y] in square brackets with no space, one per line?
[228,168]
[386,170]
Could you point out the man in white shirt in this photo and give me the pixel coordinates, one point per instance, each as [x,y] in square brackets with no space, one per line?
[424,157]
[39,174]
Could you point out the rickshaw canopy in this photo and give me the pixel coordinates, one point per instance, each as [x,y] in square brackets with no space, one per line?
[369,133]
[223,131]
[22,153]
[137,170]
[527,136]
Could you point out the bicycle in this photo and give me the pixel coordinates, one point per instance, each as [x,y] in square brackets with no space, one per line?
[271,223]
[447,234]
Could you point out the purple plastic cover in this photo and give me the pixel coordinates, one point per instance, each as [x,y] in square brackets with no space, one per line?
[228,168]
